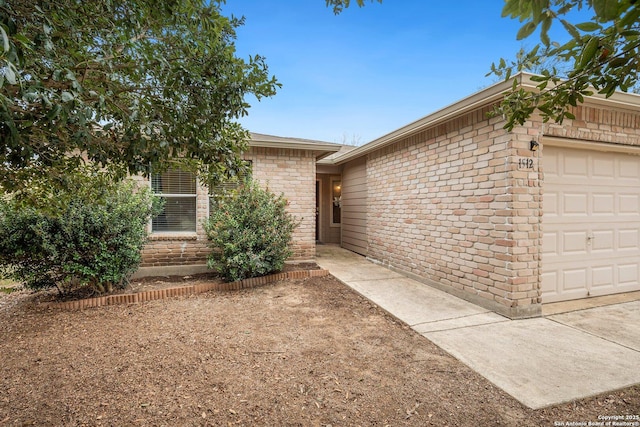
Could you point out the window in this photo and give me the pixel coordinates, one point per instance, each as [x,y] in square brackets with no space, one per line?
[336,201]
[178,190]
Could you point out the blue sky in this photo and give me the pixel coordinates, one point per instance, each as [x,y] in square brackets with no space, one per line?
[356,76]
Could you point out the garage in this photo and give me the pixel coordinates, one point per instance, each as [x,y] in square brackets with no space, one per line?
[591,220]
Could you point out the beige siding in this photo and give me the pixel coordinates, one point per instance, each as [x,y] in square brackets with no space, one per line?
[354,207]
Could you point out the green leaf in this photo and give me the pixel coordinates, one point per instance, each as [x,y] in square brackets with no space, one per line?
[630,33]
[606,10]
[5,39]
[510,8]
[10,75]
[544,31]
[67,96]
[571,29]
[536,10]
[589,26]
[589,52]
[618,62]
[526,30]
[630,18]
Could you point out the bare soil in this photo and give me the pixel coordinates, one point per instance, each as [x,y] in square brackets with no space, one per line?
[297,353]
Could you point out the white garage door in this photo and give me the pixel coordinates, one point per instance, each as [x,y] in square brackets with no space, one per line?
[591,223]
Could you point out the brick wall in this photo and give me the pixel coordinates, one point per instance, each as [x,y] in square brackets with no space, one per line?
[291,172]
[448,205]
[456,206]
[594,123]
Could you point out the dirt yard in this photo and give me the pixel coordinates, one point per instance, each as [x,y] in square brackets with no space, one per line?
[298,353]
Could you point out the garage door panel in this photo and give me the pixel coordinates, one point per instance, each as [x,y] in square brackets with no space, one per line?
[604,168]
[550,244]
[629,168]
[549,283]
[629,239]
[575,204]
[574,164]
[551,205]
[629,204]
[603,204]
[602,241]
[602,276]
[574,243]
[591,223]
[629,274]
[574,278]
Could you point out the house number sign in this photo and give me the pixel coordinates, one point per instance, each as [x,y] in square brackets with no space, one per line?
[525,163]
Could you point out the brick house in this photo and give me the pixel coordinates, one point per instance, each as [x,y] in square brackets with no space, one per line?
[507,220]
[178,242]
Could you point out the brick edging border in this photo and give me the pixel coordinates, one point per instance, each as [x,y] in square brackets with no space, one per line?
[161,294]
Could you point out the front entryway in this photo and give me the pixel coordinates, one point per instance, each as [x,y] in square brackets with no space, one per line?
[328,208]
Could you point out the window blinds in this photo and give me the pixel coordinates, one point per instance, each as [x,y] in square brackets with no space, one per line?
[178,191]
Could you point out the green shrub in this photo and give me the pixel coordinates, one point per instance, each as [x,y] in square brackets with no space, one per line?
[249,233]
[93,241]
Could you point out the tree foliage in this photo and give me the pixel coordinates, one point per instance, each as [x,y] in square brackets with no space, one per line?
[603,55]
[339,5]
[125,84]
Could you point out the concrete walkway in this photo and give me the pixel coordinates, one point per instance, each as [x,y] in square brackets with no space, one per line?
[540,362]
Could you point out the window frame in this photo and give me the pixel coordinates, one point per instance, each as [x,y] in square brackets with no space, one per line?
[193,196]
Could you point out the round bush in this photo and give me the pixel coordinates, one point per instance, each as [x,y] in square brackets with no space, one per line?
[93,241]
[249,233]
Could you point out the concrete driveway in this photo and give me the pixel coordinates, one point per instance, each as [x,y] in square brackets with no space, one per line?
[540,362]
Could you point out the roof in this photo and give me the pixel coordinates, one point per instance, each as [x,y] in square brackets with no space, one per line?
[323,148]
[479,99]
[344,149]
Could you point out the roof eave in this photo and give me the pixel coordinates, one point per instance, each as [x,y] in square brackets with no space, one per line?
[322,150]
[477,100]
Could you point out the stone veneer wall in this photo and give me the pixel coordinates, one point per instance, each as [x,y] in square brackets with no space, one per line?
[291,172]
[450,206]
